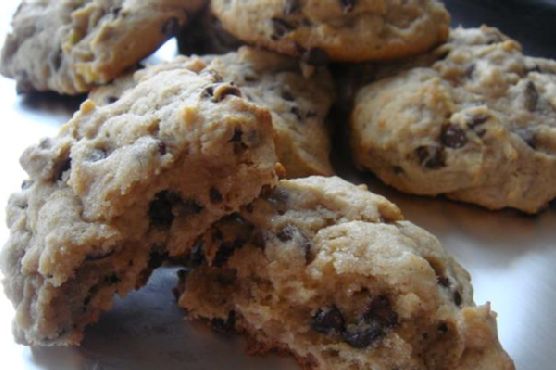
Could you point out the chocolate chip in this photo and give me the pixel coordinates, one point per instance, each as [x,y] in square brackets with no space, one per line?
[207,93]
[453,137]
[26,184]
[287,95]
[225,251]
[296,112]
[469,71]
[116,10]
[443,281]
[171,27]
[478,120]
[528,136]
[348,5]
[280,27]
[315,56]
[56,60]
[162,149]
[530,96]
[291,7]
[224,326]
[380,310]
[328,320]
[222,91]
[166,205]
[110,99]
[431,156]
[286,234]
[156,258]
[66,165]
[236,138]
[215,196]
[364,334]
[457,298]
[112,279]
[442,327]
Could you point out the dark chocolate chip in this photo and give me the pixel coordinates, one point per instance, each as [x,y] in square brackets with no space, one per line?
[26,184]
[469,71]
[287,95]
[478,120]
[453,137]
[442,327]
[291,7]
[315,56]
[296,112]
[112,279]
[156,258]
[160,208]
[363,335]
[111,99]
[328,320]
[56,60]
[162,149]
[530,96]
[380,310]
[431,156]
[116,10]
[457,298]
[207,93]
[215,196]
[280,27]
[171,27]
[443,281]
[286,234]
[224,326]
[236,138]
[348,5]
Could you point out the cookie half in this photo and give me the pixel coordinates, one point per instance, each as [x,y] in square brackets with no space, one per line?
[475,120]
[333,30]
[123,187]
[332,273]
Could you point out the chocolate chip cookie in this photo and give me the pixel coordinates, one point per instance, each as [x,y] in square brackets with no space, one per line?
[475,120]
[122,187]
[299,105]
[331,273]
[337,30]
[71,46]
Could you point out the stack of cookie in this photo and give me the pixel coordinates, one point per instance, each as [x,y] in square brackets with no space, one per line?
[184,162]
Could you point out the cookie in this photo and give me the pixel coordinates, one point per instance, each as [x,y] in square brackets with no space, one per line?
[123,187]
[332,273]
[71,46]
[475,120]
[333,30]
[299,105]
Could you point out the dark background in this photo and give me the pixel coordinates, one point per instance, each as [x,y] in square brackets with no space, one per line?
[532,22]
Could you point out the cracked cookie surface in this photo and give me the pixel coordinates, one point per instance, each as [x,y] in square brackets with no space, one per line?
[332,273]
[122,187]
[474,120]
[334,30]
[71,46]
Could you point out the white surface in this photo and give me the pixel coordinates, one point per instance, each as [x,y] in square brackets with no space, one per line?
[511,257]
